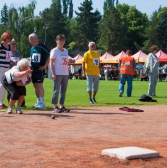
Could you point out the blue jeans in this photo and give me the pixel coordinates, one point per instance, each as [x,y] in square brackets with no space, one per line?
[123,78]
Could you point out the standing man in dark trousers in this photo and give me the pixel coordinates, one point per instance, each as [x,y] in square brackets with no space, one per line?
[39,55]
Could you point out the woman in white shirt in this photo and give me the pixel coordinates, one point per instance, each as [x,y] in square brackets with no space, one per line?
[59,70]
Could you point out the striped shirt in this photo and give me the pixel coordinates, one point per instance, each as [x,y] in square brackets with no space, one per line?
[4,59]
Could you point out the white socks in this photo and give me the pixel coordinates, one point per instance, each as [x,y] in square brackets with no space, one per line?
[40,100]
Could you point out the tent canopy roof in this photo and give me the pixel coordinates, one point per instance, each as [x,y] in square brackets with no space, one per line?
[69,57]
[78,57]
[119,56]
[163,59]
[139,54]
[160,53]
[106,56]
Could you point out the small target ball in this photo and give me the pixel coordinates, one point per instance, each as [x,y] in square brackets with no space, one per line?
[53,116]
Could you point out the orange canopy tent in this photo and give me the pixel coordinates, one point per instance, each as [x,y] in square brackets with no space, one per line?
[140,56]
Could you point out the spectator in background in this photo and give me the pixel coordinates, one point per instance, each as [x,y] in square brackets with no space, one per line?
[69,71]
[151,68]
[141,73]
[160,75]
[127,67]
[39,58]
[114,73]
[16,56]
[79,72]
[106,73]
[163,72]
[91,68]
[5,54]
[102,77]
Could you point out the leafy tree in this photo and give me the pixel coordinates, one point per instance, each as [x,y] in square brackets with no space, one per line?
[68,8]
[151,32]
[113,33]
[136,23]
[72,27]
[71,46]
[71,37]
[4,15]
[56,22]
[108,4]
[24,46]
[65,7]
[87,24]
[162,28]
[2,29]
[70,15]
[21,24]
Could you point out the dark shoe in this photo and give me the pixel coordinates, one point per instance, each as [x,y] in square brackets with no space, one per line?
[3,106]
[63,109]
[94,100]
[23,106]
[120,94]
[91,101]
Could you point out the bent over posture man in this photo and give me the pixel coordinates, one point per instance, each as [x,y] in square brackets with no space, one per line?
[39,55]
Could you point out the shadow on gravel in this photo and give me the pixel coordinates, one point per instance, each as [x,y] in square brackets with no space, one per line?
[6,116]
[89,109]
[57,115]
[97,113]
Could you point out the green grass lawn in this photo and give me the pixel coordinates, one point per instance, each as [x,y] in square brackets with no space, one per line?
[107,95]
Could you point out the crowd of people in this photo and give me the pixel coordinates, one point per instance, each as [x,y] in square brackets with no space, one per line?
[16,72]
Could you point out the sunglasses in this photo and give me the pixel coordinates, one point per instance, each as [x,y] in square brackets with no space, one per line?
[9,38]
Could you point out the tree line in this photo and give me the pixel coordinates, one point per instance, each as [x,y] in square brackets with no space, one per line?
[120,27]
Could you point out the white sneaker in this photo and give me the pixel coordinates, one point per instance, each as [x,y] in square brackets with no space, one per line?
[40,106]
[35,105]
[18,110]
[9,110]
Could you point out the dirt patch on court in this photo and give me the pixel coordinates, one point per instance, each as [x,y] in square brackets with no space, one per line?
[76,139]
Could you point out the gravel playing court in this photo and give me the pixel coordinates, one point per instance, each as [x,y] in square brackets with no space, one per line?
[76,139]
